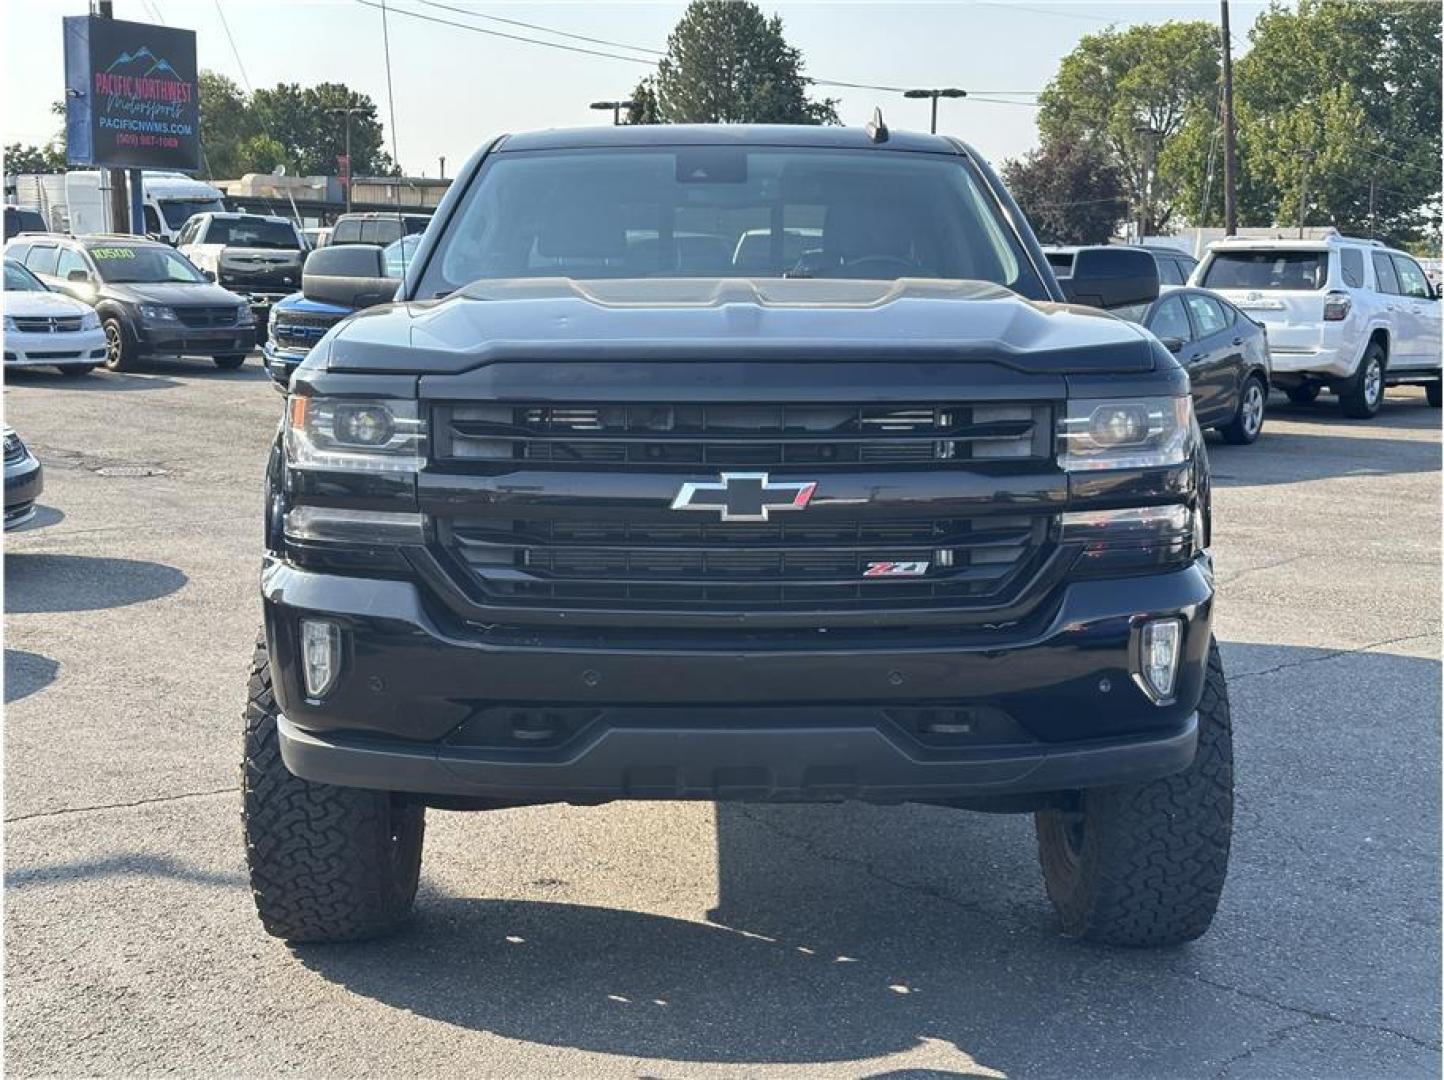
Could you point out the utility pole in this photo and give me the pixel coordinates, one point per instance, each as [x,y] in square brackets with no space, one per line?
[119,210]
[1308,156]
[1230,150]
[945,92]
[1373,193]
[347,111]
[1150,150]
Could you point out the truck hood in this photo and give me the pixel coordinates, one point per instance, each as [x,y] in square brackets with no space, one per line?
[737,319]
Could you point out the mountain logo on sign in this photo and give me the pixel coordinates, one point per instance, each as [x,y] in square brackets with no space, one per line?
[159,64]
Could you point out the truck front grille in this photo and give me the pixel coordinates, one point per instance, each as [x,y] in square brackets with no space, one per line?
[293,331]
[679,437]
[207,316]
[47,325]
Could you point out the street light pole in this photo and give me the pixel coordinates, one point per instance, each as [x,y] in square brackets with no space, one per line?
[347,111]
[943,92]
[616,108]
[1230,151]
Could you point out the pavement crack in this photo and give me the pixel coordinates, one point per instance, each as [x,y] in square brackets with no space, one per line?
[65,810]
[1249,570]
[1331,655]
[1313,1016]
[1274,1039]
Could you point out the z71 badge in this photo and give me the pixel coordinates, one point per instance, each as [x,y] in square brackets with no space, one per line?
[896,569]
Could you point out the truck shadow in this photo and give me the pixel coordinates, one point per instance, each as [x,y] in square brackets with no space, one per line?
[915,940]
[96,381]
[55,583]
[26,673]
[1298,444]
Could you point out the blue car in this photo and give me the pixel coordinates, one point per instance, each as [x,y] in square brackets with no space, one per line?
[297,322]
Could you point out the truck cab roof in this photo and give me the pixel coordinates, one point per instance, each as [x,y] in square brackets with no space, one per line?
[805,135]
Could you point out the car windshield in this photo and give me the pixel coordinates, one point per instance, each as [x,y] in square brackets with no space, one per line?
[19,279]
[141,263]
[711,211]
[252,232]
[178,211]
[397,254]
[1277,270]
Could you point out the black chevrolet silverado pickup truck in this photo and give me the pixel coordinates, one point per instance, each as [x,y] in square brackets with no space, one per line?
[757,463]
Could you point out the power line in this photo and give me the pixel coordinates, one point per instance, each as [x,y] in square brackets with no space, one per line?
[235,51]
[542,29]
[390,102]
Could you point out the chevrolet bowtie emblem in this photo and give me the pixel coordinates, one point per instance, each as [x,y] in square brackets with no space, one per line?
[744,496]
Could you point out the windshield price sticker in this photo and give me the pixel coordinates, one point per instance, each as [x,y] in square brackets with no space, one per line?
[112,253]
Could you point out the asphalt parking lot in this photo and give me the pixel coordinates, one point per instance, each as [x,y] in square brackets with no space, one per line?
[673,939]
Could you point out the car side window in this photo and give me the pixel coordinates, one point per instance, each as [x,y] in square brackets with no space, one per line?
[347,232]
[70,259]
[1207,314]
[1168,272]
[188,234]
[42,258]
[1171,321]
[152,221]
[1186,266]
[1351,267]
[1387,280]
[1412,281]
[17,252]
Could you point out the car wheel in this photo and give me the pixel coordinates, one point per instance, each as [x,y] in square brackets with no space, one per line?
[231,362]
[1246,424]
[1434,391]
[74,371]
[1144,864]
[120,350]
[326,863]
[1306,394]
[1364,393]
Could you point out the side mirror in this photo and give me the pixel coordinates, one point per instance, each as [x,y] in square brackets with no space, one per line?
[349,275]
[209,275]
[1173,344]
[81,276]
[1112,277]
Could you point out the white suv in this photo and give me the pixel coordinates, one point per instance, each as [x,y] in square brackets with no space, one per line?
[1349,314]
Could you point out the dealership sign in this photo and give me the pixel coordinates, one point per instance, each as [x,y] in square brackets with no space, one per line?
[131,96]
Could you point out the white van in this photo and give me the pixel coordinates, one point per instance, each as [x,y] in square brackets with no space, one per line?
[1352,315]
[171,199]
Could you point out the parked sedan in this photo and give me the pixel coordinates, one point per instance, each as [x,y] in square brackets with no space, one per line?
[46,329]
[24,480]
[1225,353]
[151,299]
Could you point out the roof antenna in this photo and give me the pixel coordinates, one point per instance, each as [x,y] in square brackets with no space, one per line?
[876,129]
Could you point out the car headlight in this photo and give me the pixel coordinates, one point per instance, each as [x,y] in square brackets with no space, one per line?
[243,315]
[1126,433]
[10,324]
[353,434]
[157,313]
[90,321]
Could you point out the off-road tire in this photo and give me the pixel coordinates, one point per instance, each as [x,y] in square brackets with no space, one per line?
[74,371]
[1306,394]
[230,362]
[1434,392]
[1244,429]
[1143,865]
[1354,395]
[121,353]
[326,863]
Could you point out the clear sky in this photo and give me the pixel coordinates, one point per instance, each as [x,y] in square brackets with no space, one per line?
[454,88]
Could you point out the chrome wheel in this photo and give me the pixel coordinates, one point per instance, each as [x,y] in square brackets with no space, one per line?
[1373,382]
[114,346]
[1252,408]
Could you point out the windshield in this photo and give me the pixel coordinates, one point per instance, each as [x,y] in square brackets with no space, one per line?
[712,211]
[19,279]
[1267,270]
[255,232]
[150,263]
[178,211]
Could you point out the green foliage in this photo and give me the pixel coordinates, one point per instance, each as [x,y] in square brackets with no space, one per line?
[1130,94]
[1353,88]
[20,159]
[728,63]
[311,137]
[644,108]
[1070,192]
[227,122]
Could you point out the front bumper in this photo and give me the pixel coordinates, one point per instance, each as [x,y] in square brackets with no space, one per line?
[423,706]
[188,341]
[49,350]
[280,362]
[24,481]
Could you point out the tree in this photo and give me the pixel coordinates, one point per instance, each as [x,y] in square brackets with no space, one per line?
[644,104]
[1070,192]
[1353,89]
[33,159]
[1128,94]
[312,138]
[227,123]
[728,63]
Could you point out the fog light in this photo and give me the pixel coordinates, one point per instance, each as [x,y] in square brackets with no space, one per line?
[1158,656]
[320,655]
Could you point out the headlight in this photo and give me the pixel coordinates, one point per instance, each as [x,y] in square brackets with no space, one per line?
[1129,433]
[10,324]
[243,314]
[1134,538]
[354,434]
[90,321]
[157,313]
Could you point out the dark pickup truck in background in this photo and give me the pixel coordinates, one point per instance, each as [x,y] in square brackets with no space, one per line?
[595,511]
